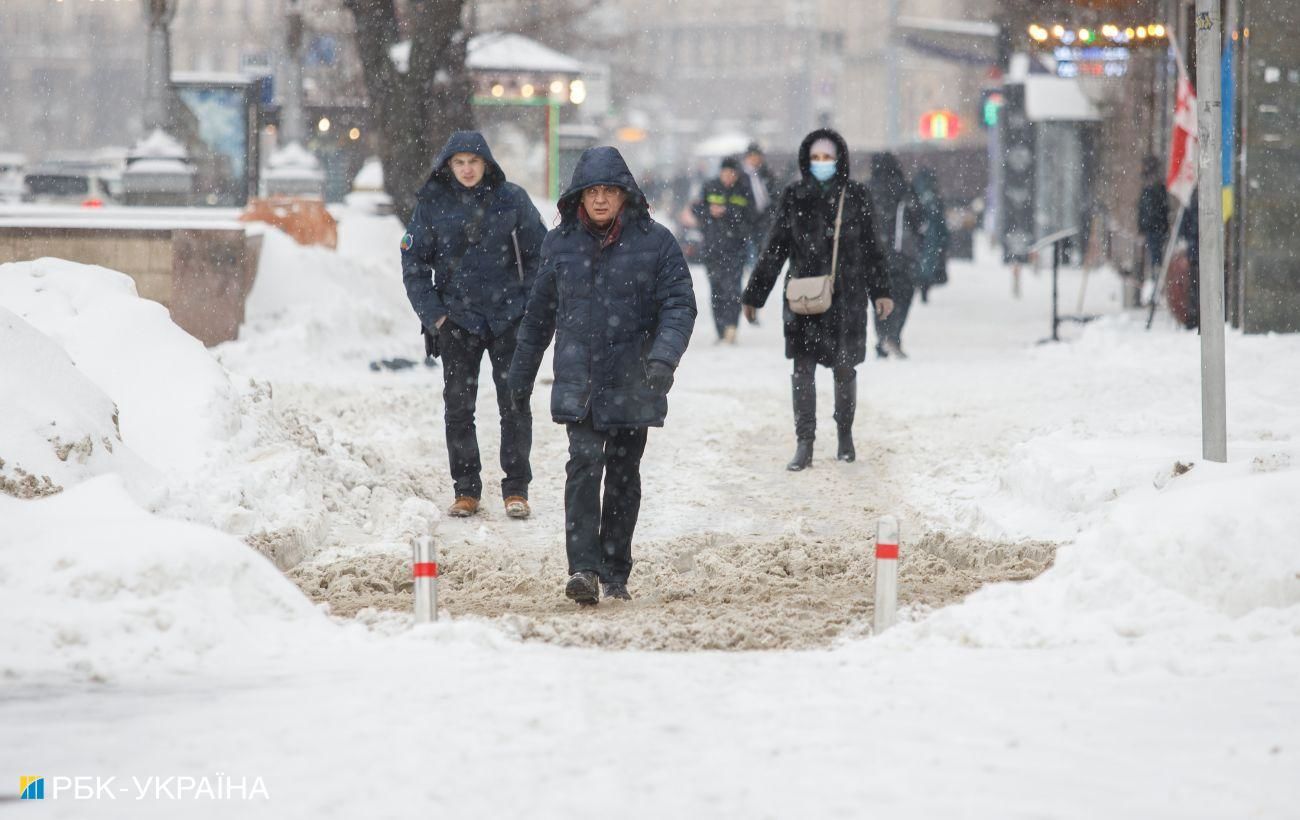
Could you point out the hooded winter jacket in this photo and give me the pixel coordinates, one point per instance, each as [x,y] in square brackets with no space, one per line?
[932,256]
[612,307]
[899,220]
[725,236]
[803,233]
[458,255]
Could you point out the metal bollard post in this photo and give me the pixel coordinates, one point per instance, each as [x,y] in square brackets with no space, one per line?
[425,571]
[886,573]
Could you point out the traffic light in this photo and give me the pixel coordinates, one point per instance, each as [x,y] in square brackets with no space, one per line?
[991,102]
[940,125]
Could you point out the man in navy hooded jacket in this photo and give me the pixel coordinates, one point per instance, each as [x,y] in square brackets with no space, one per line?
[615,293]
[469,259]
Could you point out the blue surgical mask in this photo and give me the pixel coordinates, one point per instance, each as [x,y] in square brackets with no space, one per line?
[822,170]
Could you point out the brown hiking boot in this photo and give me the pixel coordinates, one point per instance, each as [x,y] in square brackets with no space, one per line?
[463,507]
[517,507]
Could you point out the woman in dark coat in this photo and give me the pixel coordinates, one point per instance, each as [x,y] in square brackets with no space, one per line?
[899,222]
[803,233]
[932,266]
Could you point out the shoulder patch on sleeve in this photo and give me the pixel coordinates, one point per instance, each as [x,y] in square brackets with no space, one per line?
[407,241]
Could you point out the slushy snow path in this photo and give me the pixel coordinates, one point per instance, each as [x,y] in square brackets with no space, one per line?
[1148,672]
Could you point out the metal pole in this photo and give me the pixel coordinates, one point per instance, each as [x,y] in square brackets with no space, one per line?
[424,569]
[893,70]
[292,123]
[1056,268]
[159,14]
[886,609]
[1214,412]
[553,148]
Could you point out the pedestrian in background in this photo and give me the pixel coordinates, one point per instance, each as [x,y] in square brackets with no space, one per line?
[763,184]
[1153,218]
[824,226]
[932,266]
[726,215]
[615,293]
[898,221]
[469,259]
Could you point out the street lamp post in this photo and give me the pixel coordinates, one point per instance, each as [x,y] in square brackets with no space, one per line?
[292,128]
[158,170]
[159,14]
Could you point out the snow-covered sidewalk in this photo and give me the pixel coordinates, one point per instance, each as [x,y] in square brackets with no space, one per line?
[1149,672]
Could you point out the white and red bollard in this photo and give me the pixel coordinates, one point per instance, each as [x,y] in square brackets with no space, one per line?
[425,571]
[886,573]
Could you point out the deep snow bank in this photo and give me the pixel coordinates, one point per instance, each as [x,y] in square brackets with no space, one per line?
[92,587]
[327,314]
[1211,552]
[58,428]
[175,402]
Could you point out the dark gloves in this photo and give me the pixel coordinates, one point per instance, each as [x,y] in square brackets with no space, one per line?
[431,348]
[659,377]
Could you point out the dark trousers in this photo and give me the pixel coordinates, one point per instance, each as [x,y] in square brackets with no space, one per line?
[599,531]
[891,329]
[462,358]
[804,392]
[725,274]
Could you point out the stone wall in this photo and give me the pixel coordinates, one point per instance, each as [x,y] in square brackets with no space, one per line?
[201,274]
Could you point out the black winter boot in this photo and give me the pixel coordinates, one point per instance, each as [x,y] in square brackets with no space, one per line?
[802,455]
[803,388]
[846,405]
[583,587]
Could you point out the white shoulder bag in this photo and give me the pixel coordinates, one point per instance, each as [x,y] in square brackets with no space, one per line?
[811,295]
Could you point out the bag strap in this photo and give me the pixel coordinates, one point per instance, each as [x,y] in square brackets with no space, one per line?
[519,259]
[835,243]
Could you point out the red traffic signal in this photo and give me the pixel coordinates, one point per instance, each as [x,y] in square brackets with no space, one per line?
[940,125]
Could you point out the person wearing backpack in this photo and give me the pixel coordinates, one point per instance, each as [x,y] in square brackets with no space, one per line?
[900,226]
[825,227]
[469,259]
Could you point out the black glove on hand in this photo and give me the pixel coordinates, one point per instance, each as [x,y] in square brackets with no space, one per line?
[431,349]
[659,377]
[522,399]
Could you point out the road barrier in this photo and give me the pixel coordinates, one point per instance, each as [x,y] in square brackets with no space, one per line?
[886,614]
[424,569]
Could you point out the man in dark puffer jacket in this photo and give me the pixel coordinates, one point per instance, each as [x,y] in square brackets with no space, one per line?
[615,293]
[469,259]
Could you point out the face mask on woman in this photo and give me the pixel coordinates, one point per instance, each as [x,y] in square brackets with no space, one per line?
[822,170]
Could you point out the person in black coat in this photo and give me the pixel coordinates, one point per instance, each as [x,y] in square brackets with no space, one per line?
[762,182]
[615,294]
[900,224]
[932,261]
[726,216]
[1153,214]
[469,258]
[803,233]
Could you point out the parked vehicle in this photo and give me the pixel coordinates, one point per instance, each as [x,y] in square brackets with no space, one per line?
[13,188]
